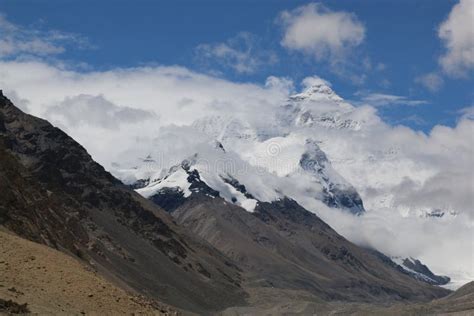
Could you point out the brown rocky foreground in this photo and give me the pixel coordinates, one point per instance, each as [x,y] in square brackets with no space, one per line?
[50,282]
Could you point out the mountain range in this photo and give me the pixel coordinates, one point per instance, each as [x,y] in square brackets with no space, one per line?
[225,229]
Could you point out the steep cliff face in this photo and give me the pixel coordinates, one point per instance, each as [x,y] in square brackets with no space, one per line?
[52,192]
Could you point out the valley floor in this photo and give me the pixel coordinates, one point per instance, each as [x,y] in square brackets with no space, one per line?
[279,302]
[53,283]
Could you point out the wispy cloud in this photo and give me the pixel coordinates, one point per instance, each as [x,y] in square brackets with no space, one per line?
[241,53]
[18,40]
[431,81]
[382,99]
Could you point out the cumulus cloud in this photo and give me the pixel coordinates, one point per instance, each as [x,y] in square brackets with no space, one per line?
[320,32]
[382,99]
[431,81]
[330,38]
[17,40]
[457,35]
[240,53]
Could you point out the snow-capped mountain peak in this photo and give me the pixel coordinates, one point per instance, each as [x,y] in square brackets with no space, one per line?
[316,92]
[318,106]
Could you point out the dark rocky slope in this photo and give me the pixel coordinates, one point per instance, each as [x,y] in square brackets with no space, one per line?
[52,192]
[283,246]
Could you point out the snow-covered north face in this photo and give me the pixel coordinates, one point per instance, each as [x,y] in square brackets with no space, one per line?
[331,150]
[272,161]
[319,105]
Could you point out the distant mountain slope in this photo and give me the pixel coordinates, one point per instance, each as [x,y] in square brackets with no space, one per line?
[51,282]
[420,271]
[52,192]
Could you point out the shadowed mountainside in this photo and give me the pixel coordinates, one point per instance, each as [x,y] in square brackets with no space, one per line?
[54,193]
[283,246]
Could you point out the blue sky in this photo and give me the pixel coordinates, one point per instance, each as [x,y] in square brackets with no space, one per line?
[400,44]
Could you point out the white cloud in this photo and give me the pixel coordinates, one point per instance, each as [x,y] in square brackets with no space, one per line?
[95,111]
[431,81]
[457,34]
[314,80]
[320,32]
[400,174]
[16,40]
[467,113]
[241,53]
[280,83]
[382,99]
[177,96]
